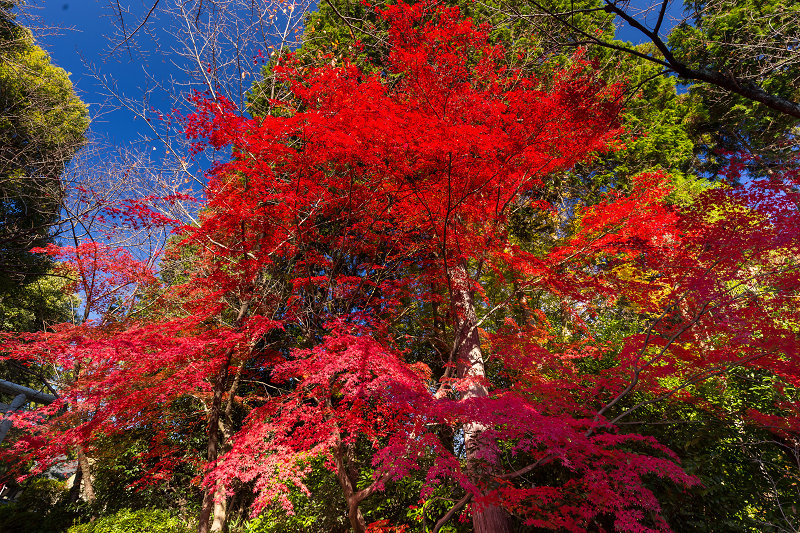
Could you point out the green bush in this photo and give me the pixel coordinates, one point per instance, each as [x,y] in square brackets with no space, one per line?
[40,508]
[141,521]
[41,494]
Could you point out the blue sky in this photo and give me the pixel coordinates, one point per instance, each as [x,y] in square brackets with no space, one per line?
[82,44]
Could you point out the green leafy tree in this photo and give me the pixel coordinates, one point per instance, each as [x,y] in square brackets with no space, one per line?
[42,124]
[755,45]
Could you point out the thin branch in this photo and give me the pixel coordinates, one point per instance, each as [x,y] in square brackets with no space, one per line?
[453,510]
[139,27]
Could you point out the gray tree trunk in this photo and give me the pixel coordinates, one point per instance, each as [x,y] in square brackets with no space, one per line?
[469,364]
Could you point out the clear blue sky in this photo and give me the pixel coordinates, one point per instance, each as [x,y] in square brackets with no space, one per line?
[86,32]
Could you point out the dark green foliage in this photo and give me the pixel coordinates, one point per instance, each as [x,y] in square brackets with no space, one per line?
[748,475]
[127,476]
[42,124]
[42,507]
[754,42]
[36,305]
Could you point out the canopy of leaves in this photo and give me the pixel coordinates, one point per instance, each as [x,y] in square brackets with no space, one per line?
[752,43]
[42,124]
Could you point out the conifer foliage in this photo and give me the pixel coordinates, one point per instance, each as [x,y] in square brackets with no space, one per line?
[359,259]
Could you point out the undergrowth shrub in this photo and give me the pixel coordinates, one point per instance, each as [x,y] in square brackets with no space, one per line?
[140,521]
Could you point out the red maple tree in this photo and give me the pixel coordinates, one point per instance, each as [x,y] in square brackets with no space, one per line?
[375,209]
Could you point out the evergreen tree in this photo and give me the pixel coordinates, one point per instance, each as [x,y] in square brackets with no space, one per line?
[42,124]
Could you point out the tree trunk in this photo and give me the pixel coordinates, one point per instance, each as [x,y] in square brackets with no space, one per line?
[219,432]
[348,485]
[213,444]
[357,521]
[225,429]
[220,509]
[220,515]
[75,489]
[469,364]
[87,490]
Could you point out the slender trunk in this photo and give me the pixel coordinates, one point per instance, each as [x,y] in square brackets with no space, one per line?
[75,489]
[87,491]
[220,515]
[219,431]
[225,423]
[213,444]
[348,485]
[469,364]
[82,487]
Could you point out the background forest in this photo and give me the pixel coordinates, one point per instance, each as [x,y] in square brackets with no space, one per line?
[447,267]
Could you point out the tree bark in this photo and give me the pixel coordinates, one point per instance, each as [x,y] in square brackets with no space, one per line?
[220,515]
[470,367]
[349,486]
[87,490]
[225,429]
[213,445]
[75,489]
[219,430]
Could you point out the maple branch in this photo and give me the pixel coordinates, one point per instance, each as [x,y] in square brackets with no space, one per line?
[697,378]
[639,369]
[266,387]
[232,390]
[590,39]
[453,510]
[700,376]
[741,87]
[723,80]
[671,339]
[707,308]
[524,470]
[380,481]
